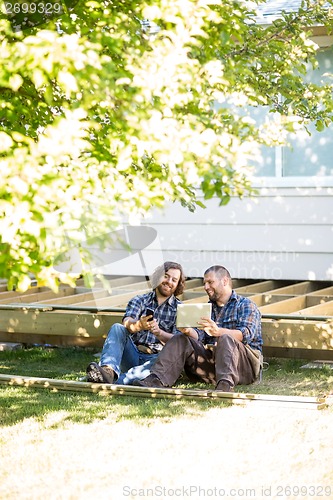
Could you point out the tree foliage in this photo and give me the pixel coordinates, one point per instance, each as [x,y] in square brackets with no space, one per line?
[103,117]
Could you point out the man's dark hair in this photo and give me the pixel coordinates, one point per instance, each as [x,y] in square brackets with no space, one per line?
[164,268]
[220,272]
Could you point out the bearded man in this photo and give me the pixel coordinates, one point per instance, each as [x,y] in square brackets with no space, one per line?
[149,322]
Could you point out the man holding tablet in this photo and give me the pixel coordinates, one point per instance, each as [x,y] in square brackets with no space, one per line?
[224,349]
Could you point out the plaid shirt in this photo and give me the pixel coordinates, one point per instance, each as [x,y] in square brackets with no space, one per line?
[239,313]
[165,315]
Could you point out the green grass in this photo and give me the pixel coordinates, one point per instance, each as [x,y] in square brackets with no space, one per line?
[283,376]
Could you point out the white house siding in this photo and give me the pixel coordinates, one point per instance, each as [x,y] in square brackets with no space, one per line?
[284,233]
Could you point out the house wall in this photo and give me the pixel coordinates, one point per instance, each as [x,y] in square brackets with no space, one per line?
[284,233]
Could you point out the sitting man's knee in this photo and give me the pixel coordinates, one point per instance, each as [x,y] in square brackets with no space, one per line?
[117,328]
[226,339]
[179,339]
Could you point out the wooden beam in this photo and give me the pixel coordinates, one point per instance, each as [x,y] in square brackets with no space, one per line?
[50,323]
[133,287]
[324,309]
[261,286]
[285,306]
[264,299]
[31,339]
[298,334]
[174,393]
[77,298]
[193,283]
[324,291]
[15,296]
[294,353]
[118,299]
[300,288]
[16,325]
[314,300]
[112,281]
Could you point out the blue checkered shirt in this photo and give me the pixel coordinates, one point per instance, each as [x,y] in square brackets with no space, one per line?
[165,315]
[239,313]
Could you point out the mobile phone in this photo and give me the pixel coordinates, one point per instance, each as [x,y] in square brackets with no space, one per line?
[150,312]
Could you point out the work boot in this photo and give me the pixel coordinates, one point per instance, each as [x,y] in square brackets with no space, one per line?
[99,375]
[224,386]
[151,381]
[108,373]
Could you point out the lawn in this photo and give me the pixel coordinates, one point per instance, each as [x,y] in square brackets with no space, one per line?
[65,445]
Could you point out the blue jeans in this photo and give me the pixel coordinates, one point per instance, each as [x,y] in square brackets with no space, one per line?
[120,352]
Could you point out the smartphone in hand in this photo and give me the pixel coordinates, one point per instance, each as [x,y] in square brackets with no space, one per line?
[150,312]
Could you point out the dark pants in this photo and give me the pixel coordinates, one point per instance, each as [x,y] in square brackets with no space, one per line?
[228,361]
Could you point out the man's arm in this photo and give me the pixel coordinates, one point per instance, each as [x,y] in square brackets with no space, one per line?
[246,326]
[135,325]
[211,328]
[162,335]
[190,332]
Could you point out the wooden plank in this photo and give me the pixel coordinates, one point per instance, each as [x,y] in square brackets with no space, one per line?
[294,353]
[300,288]
[189,295]
[5,294]
[199,289]
[276,333]
[328,291]
[298,334]
[77,298]
[264,299]
[118,299]
[196,289]
[26,298]
[255,288]
[133,287]
[113,281]
[325,309]
[30,339]
[285,306]
[192,283]
[314,300]
[70,323]
[174,393]
[197,299]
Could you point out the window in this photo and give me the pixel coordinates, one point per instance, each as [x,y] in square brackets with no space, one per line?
[308,155]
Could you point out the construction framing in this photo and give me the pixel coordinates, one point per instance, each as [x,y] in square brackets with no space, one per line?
[297,317]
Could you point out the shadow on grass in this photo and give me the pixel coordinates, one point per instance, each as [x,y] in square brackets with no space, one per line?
[19,403]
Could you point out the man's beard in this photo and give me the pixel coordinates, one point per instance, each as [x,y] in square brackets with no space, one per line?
[165,292]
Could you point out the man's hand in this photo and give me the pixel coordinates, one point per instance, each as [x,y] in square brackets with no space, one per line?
[189,332]
[186,331]
[146,322]
[153,327]
[210,327]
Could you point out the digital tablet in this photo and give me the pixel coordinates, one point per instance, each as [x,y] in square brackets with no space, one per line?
[188,315]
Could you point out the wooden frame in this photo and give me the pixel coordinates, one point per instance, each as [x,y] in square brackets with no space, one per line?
[297,316]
